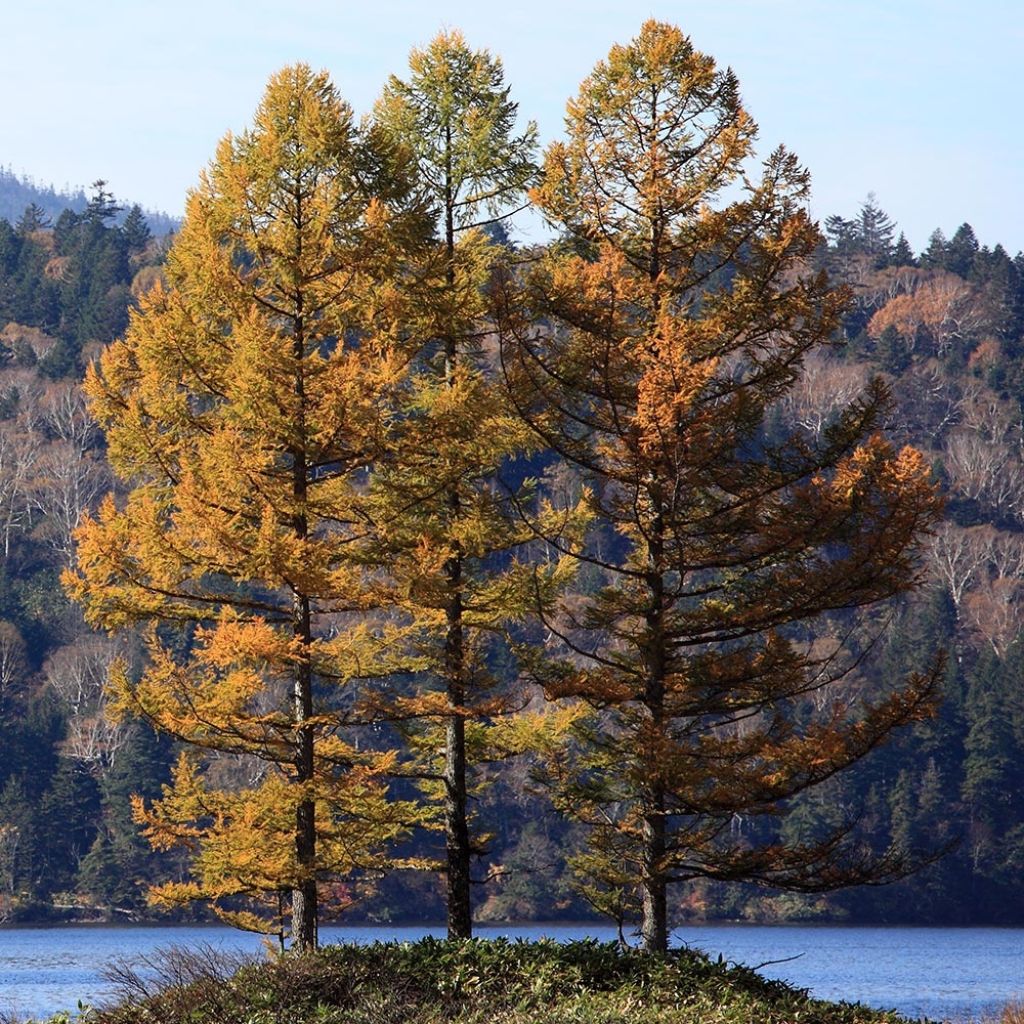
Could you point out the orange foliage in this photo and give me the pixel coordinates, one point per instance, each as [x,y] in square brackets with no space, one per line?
[678,319]
[941,304]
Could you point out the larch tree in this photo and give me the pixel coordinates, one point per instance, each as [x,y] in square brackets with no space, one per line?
[454,537]
[651,347]
[241,410]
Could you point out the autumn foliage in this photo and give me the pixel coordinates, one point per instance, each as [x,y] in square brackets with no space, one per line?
[243,421]
[330,539]
[454,541]
[673,326]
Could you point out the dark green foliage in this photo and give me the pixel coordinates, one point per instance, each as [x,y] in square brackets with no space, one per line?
[10,247]
[18,193]
[29,737]
[94,288]
[869,234]
[535,882]
[902,254]
[998,281]
[119,861]
[961,251]
[935,254]
[842,234]
[101,206]
[59,362]
[27,294]
[892,352]
[73,280]
[66,826]
[875,229]
[136,231]
[16,812]
[33,219]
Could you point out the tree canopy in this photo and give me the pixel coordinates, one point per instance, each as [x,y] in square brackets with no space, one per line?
[675,318]
[397,501]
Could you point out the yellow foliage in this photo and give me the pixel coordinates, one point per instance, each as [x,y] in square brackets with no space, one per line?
[242,419]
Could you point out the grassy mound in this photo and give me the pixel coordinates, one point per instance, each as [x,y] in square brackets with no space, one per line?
[470,982]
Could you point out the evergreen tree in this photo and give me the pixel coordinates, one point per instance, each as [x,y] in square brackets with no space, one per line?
[892,351]
[961,251]
[119,862]
[33,219]
[136,231]
[902,254]
[19,876]
[66,825]
[28,295]
[993,762]
[94,283]
[10,252]
[875,229]
[101,206]
[935,254]
[844,234]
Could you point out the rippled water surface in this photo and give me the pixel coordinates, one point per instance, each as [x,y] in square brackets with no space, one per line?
[942,973]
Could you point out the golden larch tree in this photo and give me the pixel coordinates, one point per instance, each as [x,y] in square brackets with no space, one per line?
[454,534]
[241,410]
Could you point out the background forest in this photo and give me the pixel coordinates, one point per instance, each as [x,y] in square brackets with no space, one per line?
[945,328]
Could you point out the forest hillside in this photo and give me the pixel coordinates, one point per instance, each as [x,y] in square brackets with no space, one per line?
[944,328]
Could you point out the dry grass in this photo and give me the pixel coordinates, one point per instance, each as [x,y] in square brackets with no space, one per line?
[1012,1012]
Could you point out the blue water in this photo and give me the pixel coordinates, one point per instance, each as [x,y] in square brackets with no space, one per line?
[942,973]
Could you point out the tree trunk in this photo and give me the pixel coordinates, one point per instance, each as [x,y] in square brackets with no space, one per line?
[654,927]
[460,913]
[654,887]
[304,895]
[460,910]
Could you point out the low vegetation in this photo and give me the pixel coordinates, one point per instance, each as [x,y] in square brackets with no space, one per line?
[465,982]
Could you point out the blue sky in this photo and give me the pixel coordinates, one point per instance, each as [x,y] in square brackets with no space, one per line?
[919,102]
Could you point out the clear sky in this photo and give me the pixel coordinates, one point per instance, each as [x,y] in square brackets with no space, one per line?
[919,101]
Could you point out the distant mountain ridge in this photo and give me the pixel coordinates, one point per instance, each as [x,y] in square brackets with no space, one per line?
[17,192]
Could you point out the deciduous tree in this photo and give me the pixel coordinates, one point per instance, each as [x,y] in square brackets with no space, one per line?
[667,327]
[241,408]
[453,544]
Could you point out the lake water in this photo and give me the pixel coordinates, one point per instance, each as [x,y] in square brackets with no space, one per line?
[941,973]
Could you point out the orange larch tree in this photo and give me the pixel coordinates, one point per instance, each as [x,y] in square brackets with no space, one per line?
[651,347]
[451,538]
